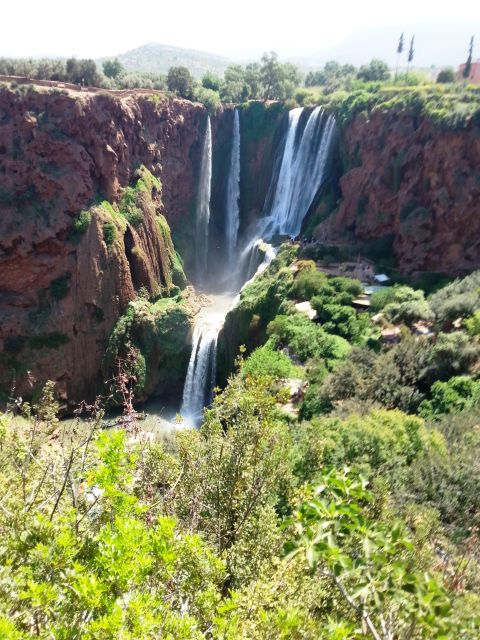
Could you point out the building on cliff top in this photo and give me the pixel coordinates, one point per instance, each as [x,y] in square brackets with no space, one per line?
[474,77]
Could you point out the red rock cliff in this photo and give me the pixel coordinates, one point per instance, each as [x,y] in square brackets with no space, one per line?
[412,187]
[58,153]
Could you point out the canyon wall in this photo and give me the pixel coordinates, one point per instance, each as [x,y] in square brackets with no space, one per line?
[409,190]
[69,263]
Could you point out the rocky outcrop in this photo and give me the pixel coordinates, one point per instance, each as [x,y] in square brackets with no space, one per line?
[410,189]
[68,267]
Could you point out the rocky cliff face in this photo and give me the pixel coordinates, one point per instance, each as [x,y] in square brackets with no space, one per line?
[410,189]
[66,276]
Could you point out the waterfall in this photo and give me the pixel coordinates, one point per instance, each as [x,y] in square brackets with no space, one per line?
[201,373]
[233,194]
[203,207]
[301,172]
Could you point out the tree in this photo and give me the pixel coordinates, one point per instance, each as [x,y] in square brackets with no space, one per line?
[377,70]
[82,72]
[445,76]
[180,81]
[113,68]
[399,52]
[411,52]
[468,65]
[211,81]
[253,79]
[234,87]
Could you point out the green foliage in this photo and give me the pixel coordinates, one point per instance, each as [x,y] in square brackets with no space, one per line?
[80,225]
[377,70]
[109,231]
[210,98]
[379,442]
[307,339]
[52,340]
[342,320]
[60,286]
[472,324]
[307,284]
[381,298]
[369,562]
[459,299]
[113,68]
[180,81]
[446,75]
[267,362]
[453,396]
[408,306]
[211,81]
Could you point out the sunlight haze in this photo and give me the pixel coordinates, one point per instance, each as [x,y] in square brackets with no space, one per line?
[236,30]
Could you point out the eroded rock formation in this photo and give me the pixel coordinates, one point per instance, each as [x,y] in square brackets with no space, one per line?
[410,188]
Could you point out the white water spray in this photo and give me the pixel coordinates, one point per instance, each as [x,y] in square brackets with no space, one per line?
[203,207]
[302,172]
[232,222]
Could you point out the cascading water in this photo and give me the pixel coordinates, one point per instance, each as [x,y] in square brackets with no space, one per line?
[302,169]
[201,373]
[301,173]
[232,222]
[203,207]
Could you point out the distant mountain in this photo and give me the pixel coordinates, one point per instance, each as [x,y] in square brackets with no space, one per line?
[436,45]
[158,58]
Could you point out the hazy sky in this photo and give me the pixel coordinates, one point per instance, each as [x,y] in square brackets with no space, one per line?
[240,28]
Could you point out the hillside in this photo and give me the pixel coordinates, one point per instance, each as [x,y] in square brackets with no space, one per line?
[158,58]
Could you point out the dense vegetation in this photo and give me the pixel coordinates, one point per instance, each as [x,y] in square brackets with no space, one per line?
[343,88]
[349,510]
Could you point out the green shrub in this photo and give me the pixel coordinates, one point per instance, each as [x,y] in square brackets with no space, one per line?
[472,324]
[266,361]
[109,231]
[80,225]
[307,339]
[307,283]
[381,298]
[408,305]
[60,286]
[458,299]
[453,396]
[48,340]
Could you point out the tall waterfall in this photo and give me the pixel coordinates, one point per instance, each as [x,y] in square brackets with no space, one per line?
[201,373]
[301,173]
[203,207]
[233,194]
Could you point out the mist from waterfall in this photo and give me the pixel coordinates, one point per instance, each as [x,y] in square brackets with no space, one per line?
[203,207]
[301,174]
[232,222]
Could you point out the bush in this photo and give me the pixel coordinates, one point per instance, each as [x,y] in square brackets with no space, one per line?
[472,324]
[341,320]
[60,286]
[307,283]
[109,231]
[267,362]
[453,396]
[453,354]
[307,339]
[210,98]
[408,305]
[48,340]
[446,76]
[458,299]
[80,226]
